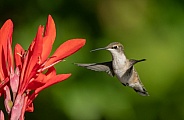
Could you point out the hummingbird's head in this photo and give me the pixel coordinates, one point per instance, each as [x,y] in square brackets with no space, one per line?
[114,48]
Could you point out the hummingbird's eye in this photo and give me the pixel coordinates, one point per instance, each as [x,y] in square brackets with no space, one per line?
[114,47]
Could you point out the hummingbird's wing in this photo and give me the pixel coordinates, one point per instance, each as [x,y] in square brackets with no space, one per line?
[134,81]
[105,67]
[133,61]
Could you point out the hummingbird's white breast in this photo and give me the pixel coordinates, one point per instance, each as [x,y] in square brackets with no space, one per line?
[119,64]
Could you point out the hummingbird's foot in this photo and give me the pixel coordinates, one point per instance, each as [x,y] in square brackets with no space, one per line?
[127,84]
[124,84]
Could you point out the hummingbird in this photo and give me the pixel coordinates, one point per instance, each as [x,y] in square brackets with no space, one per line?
[120,66]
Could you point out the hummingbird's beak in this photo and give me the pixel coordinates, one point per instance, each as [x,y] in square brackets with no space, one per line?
[98,49]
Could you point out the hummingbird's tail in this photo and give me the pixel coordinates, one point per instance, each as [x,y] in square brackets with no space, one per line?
[135,82]
[142,91]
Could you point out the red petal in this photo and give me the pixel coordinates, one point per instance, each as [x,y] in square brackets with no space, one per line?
[10,57]
[52,81]
[49,37]
[7,30]
[18,54]
[42,79]
[34,52]
[37,50]
[5,36]
[30,100]
[2,84]
[3,67]
[38,82]
[51,72]
[66,49]
[30,108]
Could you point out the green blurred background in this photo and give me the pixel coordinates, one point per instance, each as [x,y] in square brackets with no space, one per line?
[151,29]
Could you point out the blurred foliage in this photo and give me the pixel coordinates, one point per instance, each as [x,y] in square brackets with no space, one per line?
[151,29]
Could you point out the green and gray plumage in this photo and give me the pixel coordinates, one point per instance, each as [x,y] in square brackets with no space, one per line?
[120,66]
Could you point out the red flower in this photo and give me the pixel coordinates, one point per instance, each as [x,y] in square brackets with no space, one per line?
[34,70]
